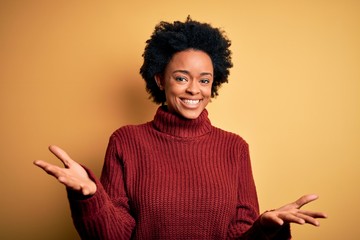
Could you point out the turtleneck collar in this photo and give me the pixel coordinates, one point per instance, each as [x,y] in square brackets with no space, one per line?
[178,126]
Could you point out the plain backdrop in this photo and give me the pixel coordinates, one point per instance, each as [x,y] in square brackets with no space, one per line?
[69,75]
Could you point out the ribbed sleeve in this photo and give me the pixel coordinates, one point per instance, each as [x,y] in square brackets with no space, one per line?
[106,214]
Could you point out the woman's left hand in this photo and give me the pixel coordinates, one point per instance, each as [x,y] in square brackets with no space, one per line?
[291,213]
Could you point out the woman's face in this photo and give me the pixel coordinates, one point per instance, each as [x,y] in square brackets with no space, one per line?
[187,82]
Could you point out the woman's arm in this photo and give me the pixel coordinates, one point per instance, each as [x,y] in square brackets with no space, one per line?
[274,224]
[245,224]
[96,213]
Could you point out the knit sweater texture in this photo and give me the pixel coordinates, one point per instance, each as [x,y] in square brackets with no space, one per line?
[172,178]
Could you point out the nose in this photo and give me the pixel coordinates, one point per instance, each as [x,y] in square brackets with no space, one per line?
[193,87]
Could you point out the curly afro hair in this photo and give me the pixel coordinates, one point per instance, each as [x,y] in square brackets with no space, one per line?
[170,38]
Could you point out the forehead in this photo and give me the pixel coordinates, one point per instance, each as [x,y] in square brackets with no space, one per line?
[195,60]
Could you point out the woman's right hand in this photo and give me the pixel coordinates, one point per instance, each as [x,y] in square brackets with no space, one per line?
[72,175]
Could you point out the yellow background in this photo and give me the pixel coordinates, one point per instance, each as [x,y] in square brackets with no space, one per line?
[69,76]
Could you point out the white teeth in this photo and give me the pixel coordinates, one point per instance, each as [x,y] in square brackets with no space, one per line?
[190,101]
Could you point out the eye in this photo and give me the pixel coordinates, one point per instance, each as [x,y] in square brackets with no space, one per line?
[205,81]
[180,79]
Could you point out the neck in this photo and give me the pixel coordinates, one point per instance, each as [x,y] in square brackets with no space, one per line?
[178,126]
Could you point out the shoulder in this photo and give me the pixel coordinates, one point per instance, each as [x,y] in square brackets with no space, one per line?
[234,146]
[128,136]
[130,130]
[229,136]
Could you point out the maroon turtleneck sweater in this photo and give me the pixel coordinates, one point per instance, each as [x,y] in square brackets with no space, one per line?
[171,178]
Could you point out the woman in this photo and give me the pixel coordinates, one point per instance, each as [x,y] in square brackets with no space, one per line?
[176,177]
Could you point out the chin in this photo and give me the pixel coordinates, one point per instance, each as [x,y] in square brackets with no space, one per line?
[191,114]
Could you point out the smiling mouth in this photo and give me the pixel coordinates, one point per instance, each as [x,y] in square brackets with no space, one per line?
[191,101]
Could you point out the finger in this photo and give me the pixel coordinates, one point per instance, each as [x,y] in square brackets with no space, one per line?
[291,218]
[313,214]
[89,188]
[61,154]
[269,219]
[48,168]
[308,219]
[85,190]
[305,200]
[39,163]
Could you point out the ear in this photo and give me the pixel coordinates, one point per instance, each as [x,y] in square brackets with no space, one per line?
[159,81]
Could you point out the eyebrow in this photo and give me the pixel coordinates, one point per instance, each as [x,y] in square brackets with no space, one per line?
[188,73]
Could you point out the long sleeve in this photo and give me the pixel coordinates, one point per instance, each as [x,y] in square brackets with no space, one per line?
[246,224]
[247,208]
[106,214]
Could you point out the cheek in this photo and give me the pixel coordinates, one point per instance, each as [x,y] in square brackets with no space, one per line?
[171,93]
[207,92]
[174,89]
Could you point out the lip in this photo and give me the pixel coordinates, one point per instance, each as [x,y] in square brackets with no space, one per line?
[190,103]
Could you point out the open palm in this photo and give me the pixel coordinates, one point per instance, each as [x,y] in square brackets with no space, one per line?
[72,175]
